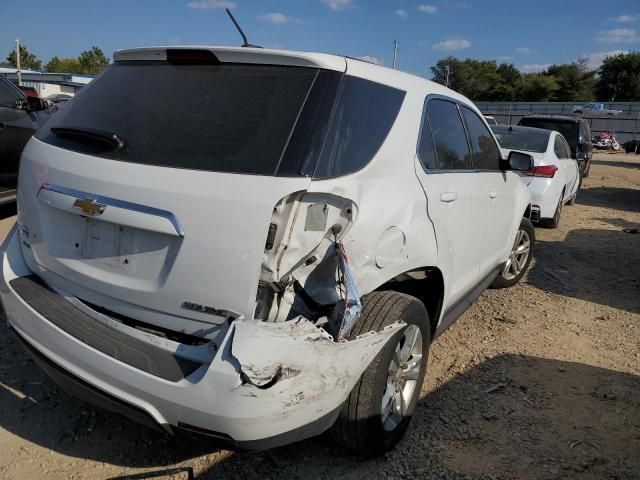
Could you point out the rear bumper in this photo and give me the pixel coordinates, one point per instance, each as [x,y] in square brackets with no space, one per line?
[215,399]
[544,197]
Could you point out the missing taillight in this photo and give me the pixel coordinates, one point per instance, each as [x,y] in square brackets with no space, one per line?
[545,171]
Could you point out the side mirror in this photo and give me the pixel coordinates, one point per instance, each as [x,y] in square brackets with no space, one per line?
[581,156]
[519,161]
[30,104]
[35,104]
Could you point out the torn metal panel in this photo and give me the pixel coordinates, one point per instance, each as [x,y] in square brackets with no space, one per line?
[294,361]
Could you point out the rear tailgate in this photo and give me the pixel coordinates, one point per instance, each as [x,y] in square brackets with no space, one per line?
[206,251]
[152,192]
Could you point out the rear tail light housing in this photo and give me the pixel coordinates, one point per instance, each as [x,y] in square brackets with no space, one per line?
[545,171]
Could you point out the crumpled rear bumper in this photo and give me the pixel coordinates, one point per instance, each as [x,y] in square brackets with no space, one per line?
[268,384]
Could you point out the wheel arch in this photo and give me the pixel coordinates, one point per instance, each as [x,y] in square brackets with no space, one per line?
[424,283]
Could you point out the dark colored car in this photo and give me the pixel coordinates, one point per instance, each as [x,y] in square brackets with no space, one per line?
[20,117]
[575,130]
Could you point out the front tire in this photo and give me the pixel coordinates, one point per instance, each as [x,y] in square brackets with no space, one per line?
[519,257]
[379,408]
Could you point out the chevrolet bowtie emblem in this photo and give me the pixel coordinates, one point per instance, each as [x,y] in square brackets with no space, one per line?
[89,206]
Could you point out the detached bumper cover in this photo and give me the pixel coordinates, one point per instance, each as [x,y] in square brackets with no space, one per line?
[267,385]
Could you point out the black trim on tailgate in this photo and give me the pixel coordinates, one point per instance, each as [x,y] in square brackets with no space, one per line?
[118,345]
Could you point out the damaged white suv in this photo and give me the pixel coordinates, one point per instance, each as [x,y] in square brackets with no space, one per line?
[258,245]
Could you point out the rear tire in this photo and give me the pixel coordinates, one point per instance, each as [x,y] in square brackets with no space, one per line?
[363,424]
[519,257]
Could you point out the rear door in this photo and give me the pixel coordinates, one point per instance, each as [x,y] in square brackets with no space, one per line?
[570,166]
[498,194]
[455,197]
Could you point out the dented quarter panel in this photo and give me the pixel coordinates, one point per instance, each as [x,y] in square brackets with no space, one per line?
[391,208]
[295,364]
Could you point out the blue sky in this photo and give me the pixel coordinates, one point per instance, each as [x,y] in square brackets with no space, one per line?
[530,34]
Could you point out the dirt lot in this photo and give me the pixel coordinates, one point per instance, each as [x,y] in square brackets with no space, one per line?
[538,382]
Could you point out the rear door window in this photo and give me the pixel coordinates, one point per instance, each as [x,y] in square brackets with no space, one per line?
[217,117]
[449,136]
[426,149]
[558,148]
[362,118]
[485,150]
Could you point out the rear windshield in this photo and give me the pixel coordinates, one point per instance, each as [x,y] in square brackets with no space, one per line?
[569,130]
[250,119]
[227,118]
[530,140]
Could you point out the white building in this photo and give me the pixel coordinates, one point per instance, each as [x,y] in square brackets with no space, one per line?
[47,83]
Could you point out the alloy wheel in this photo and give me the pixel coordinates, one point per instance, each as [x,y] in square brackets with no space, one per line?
[402,377]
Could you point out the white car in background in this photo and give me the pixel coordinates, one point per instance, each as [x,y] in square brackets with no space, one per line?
[554,179]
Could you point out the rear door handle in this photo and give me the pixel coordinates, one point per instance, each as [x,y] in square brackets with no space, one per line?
[448,197]
[493,194]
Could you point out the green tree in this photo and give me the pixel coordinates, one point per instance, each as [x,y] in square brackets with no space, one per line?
[63,65]
[476,79]
[575,82]
[537,87]
[27,59]
[619,78]
[92,61]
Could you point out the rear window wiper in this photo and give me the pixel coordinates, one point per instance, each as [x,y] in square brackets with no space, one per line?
[92,136]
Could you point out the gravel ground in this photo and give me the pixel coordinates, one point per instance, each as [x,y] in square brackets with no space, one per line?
[541,381]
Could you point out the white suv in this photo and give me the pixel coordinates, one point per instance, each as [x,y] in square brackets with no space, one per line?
[258,245]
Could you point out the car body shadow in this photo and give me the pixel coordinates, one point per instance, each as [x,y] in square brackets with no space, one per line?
[624,199]
[599,266]
[512,414]
[618,163]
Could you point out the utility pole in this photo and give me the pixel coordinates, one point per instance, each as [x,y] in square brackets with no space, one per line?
[18,61]
[447,81]
[395,53]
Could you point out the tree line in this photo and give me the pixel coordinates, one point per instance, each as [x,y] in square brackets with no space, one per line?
[89,62]
[617,79]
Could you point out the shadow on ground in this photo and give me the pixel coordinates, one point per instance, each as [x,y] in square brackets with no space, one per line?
[614,163]
[611,257]
[8,210]
[625,199]
[513,416]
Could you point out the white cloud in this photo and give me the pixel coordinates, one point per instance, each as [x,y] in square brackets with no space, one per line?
[625,19]
[430,9]
[212,4]
[524,50]
[338,5]
[451,44]
[617,35]
[401,13]
[462,5]
[535,67]
[370,59]
[504,58]
[596,59]
[279,18]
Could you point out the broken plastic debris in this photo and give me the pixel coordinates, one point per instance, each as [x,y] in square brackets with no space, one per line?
[353,306]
